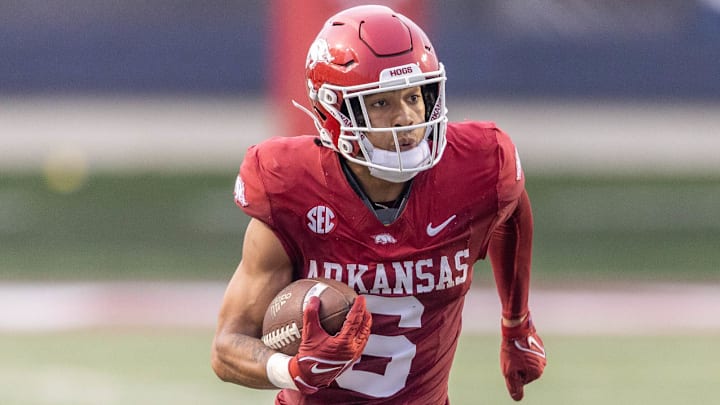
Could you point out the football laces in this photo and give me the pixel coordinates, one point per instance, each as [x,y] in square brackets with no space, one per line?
[281,337]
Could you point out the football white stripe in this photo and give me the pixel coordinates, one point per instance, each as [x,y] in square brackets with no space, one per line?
[314,291]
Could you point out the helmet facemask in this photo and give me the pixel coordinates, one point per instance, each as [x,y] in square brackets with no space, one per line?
[393,165]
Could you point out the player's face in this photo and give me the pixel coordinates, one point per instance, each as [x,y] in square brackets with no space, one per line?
[393,109]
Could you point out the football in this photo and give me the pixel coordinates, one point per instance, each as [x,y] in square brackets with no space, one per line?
[283,322]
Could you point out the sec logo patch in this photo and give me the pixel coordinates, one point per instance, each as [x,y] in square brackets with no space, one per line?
[321,219]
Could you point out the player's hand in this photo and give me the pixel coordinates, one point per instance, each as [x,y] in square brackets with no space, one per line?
[321,357]
[522,357]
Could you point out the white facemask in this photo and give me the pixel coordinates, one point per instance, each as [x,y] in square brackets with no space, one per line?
[411,159]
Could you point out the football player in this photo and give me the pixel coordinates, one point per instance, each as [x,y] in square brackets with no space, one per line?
[396,202]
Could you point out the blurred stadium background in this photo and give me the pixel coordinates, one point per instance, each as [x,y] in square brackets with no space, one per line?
[122,125]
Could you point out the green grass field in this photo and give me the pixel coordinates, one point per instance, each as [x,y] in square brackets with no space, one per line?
[180,226]
[172,367]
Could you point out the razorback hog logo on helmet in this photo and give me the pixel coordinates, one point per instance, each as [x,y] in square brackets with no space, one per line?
[319,53]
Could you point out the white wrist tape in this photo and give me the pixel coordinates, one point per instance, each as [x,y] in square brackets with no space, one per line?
[278,371]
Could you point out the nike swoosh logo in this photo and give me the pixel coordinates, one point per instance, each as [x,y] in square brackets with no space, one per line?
[434,230]
[531,342]
[317,370]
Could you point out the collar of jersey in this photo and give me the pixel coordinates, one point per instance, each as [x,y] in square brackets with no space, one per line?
[385,215]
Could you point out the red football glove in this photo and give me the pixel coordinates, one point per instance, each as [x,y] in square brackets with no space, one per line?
[321,357]
[522,357]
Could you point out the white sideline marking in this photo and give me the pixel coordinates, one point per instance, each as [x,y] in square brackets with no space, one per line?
[642,309]
[646,309]
[66,306]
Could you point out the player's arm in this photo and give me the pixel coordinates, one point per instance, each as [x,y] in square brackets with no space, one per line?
[510,251]
[238,355]
[522,356]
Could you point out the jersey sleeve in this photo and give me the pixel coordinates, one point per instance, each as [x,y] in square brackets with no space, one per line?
[510,246]
[511,257]
[259,193]
[250,194]
[511,179]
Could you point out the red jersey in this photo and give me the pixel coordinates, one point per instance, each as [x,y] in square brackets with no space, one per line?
[414,272]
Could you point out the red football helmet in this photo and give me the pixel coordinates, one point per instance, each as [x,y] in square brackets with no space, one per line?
[365,50]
